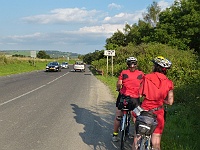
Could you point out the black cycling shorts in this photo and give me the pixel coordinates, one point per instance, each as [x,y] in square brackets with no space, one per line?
[133,103]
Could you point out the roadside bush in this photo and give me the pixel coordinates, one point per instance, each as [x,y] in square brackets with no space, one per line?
[9,60]
[3,59]
[184,63]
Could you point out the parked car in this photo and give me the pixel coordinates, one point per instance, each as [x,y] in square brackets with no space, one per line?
[53,66]
[65,65]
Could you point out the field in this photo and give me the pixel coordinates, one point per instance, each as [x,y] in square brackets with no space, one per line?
[51,53]
[16,65]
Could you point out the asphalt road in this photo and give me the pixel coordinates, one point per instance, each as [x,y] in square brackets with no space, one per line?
[56,111]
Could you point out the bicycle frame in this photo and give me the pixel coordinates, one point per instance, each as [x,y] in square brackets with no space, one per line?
[144,142]
[124,119]
[125,122]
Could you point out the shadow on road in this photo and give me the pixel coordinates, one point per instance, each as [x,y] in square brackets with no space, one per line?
[97,128]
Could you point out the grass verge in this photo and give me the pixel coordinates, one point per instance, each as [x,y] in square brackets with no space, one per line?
[25,66]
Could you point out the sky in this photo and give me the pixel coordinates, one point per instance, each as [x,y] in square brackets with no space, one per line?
[77,26]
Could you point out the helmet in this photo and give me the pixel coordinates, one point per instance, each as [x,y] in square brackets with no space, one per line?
[131,60]
[163,62]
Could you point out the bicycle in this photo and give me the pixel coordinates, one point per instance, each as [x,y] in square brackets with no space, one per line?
[145,125]
[124,123]
[144,143]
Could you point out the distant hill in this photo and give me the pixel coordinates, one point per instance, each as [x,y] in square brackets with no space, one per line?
[51,53]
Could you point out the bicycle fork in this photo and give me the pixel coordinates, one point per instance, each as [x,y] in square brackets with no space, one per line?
[123,127]
[124,119]
[144,143]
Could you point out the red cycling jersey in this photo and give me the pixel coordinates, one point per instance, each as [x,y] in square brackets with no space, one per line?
[155,89]
[131,82]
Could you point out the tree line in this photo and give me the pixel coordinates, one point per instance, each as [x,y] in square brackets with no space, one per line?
[177,26]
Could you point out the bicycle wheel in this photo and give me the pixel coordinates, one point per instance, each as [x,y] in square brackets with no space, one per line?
[148,143]
[122,139]
[142,144]
[123,131]
[127,125]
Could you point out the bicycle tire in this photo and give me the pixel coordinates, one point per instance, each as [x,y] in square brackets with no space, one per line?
[123,131]
[149,144]
[142,144]
[122,139]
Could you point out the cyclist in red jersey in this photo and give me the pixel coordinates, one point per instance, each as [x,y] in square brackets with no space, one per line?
[157,90]
[128,84]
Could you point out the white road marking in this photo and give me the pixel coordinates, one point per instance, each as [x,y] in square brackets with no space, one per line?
[1,104]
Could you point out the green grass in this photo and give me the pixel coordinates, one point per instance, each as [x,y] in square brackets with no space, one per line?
[181,128]
[21,67]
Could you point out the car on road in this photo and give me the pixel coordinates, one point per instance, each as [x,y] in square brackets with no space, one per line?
[64,65]
[79,66]
[53,66]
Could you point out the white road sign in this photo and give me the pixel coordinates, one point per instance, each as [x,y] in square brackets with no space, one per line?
[109,52]
[33,54]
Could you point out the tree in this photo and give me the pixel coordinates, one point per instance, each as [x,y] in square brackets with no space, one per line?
[116,40]
[178,25]
[152,15]
[182,23]
[97,55]
[42,55]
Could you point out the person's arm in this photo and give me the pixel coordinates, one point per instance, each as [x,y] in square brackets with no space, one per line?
[119,85]
[170,98]
[141,87]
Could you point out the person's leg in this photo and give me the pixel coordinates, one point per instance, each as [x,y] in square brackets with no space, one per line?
[133,114]
[156,139]
[116,120]
[134,145]
[116,124]
[156,136]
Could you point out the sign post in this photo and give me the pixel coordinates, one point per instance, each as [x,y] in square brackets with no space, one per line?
[107,66]
[109,53]
[33,55]
[112,65]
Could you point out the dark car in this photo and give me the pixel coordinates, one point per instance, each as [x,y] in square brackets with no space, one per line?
[53,66]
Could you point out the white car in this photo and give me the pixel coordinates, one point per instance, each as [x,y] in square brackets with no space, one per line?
[64,65]
[79,66]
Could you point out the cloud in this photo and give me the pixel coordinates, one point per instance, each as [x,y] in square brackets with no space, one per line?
[35,35]
[90,28]
[95,27]
[83,16]
[66,15]
[64,37]
[104,28]
[114,6]
[82,41]
[78,41]
[124,17]
[164,4]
